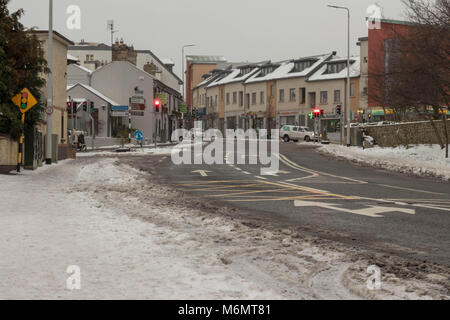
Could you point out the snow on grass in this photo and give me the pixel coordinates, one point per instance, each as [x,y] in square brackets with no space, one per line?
[427,160]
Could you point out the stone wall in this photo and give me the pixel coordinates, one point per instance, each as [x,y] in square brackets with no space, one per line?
[407,133]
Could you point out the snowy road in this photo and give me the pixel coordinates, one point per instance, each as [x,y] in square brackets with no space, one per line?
[134,239]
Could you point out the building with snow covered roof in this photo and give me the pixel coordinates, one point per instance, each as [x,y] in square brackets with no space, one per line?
[271,94]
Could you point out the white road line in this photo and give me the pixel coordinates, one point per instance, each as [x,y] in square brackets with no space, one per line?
[245,172]
[410,189]
[238,169]
[262,178]
[296,166]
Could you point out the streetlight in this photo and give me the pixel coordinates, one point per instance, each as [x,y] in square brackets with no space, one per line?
[48,147]
[347,103]
[182,64]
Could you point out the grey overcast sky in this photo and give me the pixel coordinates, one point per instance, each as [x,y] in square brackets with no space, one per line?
[241,30]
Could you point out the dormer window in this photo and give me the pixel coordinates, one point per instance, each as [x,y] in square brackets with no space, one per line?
[266,70]
[244,71]
[336,67]
[300,66]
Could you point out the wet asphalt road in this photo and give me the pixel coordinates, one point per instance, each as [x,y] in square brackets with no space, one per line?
[389,212]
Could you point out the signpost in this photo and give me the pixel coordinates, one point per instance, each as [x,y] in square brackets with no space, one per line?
[25,101]
[139,136]
[137,106]
[120,111]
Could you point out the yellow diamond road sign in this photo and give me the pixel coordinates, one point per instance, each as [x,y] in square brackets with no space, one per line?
[24,100]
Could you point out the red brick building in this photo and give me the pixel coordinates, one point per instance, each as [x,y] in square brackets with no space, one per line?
[382,41]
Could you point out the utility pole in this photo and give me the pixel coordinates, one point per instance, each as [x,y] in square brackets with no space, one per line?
[347,109]
[48,147]
[184,75]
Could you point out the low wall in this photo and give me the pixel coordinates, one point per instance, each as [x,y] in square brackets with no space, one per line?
[8,154]
[407,133]
[103,142]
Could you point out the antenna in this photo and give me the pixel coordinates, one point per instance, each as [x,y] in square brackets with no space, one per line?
[110,27]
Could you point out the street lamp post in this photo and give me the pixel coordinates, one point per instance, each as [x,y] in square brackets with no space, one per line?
[48,148]
[182,64]
[347,103]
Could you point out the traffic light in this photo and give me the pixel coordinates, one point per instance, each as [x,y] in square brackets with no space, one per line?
[369,116]
[69,107]
[85,106]
[339,109]
[317,112]
[157,104]
[92,106]
[75,106]
[311,115]
[24,101]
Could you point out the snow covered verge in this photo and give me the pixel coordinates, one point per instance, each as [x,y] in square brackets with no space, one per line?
[135,239]
[425,160]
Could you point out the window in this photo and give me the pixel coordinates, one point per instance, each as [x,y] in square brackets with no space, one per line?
[292,95]
[261,97]
[323,97]
[281,95]
[228,98]
[87,57]
[207,101]
[337,96]
[253,98]
[241,98]
[352,90]
[365,91]
[300,66]
[336,67]
[215,103]
[271,91]
[302,95]
[234,97]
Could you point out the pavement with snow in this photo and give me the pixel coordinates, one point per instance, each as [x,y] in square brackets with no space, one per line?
[135,239]
[425,160]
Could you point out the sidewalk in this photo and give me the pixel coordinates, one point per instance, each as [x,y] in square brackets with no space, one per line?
[422,160]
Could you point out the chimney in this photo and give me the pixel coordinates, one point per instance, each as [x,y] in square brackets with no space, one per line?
[121,52]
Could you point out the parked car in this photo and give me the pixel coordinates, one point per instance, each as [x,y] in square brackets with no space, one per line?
[295,133]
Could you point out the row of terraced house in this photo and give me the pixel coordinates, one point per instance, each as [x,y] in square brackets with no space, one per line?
[268,95]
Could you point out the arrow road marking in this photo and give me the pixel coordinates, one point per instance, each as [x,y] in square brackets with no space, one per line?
[372,211]
[276,173]
[203,173]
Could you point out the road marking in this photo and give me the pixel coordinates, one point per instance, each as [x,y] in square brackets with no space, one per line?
[203,173]
[372,211]
[238,169]
[245,172]
[303,178]
[410,189]
[262,178]
[312,190]
[276,173]
[247,192]
[296,166]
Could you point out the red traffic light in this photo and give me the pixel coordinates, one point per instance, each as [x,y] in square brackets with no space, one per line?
[317,111]
[157,104]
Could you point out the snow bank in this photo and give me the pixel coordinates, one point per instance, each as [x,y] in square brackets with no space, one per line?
[426,160]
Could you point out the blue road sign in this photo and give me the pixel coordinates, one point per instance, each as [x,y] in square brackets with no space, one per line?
[139,135]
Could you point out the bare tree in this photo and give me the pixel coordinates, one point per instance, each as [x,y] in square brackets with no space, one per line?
[415,77]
